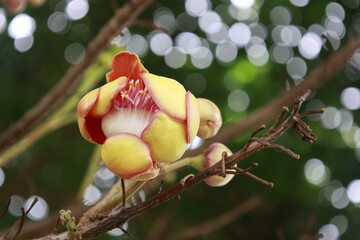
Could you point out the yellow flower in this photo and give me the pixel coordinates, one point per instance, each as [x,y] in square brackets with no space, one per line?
[140,119]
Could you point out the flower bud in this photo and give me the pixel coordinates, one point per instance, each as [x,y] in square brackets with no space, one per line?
[210,118]
[210,157]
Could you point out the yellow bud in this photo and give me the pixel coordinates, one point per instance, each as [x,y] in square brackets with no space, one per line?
[210,118]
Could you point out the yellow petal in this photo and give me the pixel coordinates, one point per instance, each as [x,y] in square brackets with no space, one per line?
[87,102]
[106,95]
[127,156]
[165,137]
[192,117]
[210,118]
[168,94]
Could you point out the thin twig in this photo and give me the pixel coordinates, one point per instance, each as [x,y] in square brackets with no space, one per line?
[318,77]
[4,211]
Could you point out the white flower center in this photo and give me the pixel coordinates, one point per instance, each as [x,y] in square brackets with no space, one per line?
[126,120]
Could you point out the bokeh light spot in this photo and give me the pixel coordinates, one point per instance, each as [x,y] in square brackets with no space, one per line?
[282,54]
[290,35]
[238,100]
[296,67]
[91,195]
[137,44]
[201,57]
[339,198]
[210,22]
[164,18]
[334,9]
[243,4]
[187,41]
[341,222]
[39,211]
[74,53]
[329,232]
[58,22]
[350,98]
[160,43]
[280,15]
[77,9]
[3,20]
[310,45]
[24,44]
[316,172]
[21,26]
[240,34]
[299,3]
[353,191]
[331,118]
[175,58]
[258,54]
[226,52]
[2,177]
[16,203]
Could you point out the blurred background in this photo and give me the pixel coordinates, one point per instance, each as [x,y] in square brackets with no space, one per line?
[239,54]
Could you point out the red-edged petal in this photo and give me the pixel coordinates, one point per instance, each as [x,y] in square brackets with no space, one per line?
[168,94]
[192,117]
[127,156]
[107,93]
[125,64]
[165,137]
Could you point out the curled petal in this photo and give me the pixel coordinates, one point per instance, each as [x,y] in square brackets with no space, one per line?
[125,64]
[165,137]
[87,102]
[213,155]
[107,93]
[168,94]
[192,117]
[127,156]
[210,118]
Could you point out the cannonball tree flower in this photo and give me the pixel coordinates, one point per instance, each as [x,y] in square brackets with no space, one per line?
[139,118]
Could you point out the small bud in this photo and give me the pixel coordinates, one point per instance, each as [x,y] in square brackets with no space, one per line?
[210,157]
[210,118]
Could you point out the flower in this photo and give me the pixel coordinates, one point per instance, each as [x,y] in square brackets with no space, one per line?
[211,156]
[140,119]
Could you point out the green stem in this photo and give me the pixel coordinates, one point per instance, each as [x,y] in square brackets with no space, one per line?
[195,162]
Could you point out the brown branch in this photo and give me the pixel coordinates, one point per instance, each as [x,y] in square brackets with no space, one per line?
[100,226]
[4,211]
[122,18]
[19,223]
[216,223]
[313,81]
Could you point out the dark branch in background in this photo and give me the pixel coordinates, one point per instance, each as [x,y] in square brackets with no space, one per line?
[122,18]
[313,81]
[19,223]
[224,219]
[100,226]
